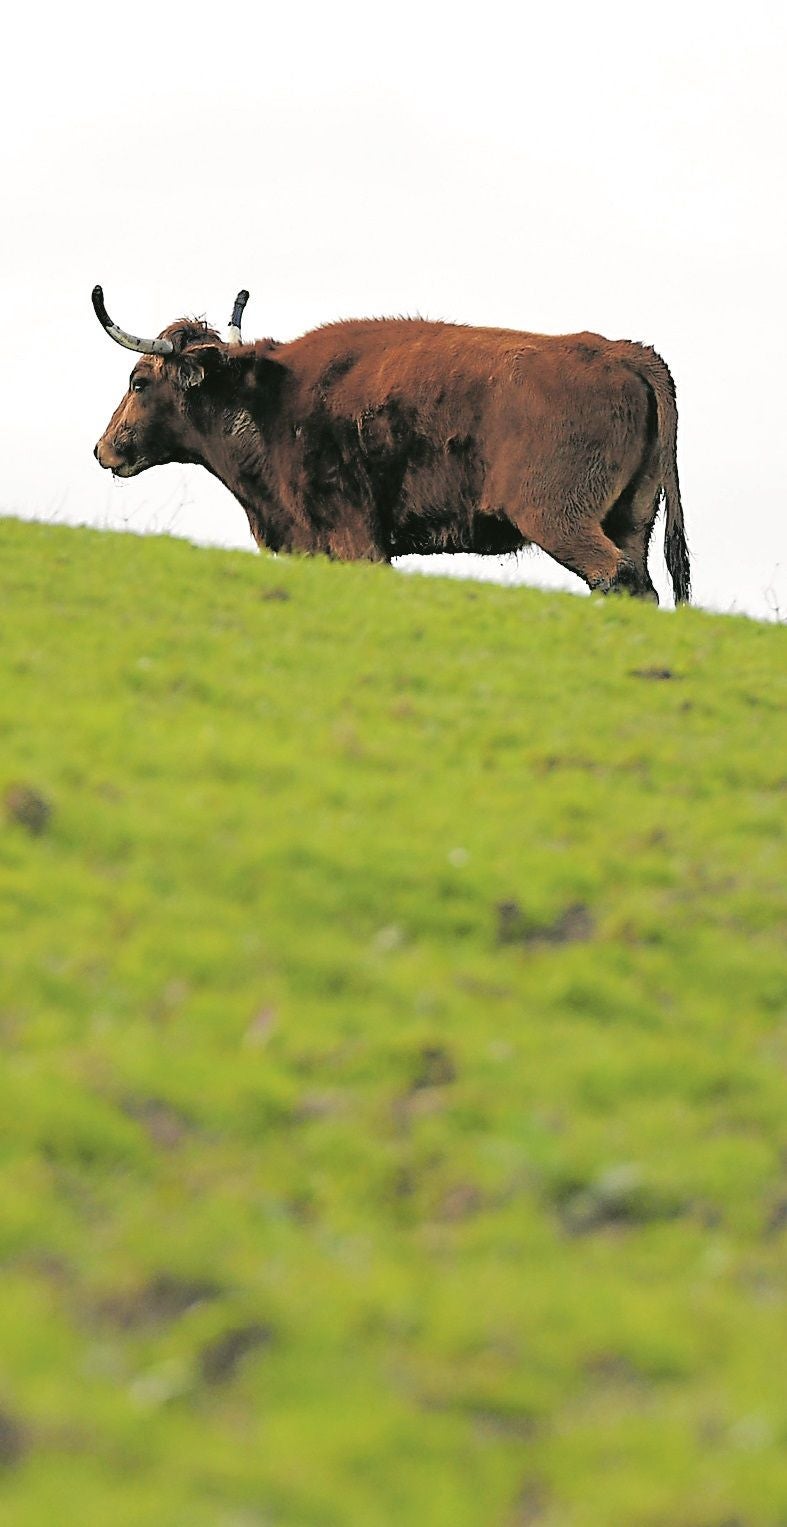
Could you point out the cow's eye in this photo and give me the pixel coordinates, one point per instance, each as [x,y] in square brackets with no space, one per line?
[139,383]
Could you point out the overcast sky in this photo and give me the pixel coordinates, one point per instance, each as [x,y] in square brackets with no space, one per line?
[611,167]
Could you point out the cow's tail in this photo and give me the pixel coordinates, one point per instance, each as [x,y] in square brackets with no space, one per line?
[676,552]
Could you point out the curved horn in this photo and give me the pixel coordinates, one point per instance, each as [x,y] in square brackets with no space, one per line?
[129,341]
[234,337]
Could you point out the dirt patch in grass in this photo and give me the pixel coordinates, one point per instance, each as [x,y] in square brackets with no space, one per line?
[28,808]
[14,1440]
[221,1358]
[163,1299]
[515,926]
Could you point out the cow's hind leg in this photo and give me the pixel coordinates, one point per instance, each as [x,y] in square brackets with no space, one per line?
[632,540]
[629,523]
[634,546]
[632,537]
[585,550]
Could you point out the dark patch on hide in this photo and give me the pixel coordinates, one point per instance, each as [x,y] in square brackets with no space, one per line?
[360,462]
[334,371]
[586,351]
[332,473]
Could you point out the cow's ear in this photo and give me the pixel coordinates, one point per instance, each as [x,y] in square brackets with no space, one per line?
[197,364]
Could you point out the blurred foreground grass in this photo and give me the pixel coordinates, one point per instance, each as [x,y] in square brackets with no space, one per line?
[394,1049]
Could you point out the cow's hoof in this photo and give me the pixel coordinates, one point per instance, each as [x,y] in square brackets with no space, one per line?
[628,580]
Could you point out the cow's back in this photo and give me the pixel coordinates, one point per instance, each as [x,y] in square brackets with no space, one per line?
[364,361]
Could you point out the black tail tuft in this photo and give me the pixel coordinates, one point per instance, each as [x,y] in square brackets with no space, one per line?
[676,556]
[676,552]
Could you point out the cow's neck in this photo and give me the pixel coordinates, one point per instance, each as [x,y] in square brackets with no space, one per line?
[236,454]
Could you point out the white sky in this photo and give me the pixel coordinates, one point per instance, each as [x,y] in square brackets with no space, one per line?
[613,167]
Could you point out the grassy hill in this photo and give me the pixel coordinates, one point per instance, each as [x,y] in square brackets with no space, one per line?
[394,1049]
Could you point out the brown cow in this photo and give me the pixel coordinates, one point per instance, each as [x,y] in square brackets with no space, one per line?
[378,437]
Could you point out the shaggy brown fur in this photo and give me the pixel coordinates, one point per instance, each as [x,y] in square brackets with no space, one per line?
[373,438]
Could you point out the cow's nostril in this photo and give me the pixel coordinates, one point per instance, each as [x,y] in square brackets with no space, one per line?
[95,452]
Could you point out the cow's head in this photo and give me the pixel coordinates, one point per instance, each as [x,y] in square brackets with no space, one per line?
[161,418]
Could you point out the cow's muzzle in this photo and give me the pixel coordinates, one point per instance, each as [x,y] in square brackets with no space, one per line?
[121,464]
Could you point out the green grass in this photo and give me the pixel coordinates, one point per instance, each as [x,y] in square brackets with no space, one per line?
[394,1049]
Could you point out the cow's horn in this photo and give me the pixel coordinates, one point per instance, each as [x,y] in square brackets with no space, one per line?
[129,341]
[234,334]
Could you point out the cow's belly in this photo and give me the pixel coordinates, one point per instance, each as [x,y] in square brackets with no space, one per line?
[473,531]
[438,507]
